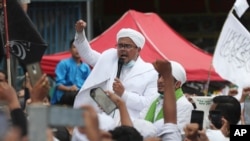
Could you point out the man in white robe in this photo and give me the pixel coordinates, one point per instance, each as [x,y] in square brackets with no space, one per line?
[154,113]
[137,84]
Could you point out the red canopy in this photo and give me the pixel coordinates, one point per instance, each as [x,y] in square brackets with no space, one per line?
[162,42]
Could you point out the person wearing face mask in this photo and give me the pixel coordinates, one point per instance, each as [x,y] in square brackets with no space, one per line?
[154,113]
[224,111]
[137,84]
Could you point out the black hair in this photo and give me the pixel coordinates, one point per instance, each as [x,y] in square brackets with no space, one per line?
[192,88]
[126,133]
[71,43]
[61,133]
[230,108]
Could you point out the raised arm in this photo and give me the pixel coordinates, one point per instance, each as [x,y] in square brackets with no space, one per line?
[8,94]
[125,118]
[169,103]
[89,55]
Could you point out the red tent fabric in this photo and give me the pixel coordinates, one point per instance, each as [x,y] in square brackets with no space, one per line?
[162,42]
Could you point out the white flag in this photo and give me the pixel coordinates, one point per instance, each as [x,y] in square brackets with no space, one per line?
[240,7]
[232,53]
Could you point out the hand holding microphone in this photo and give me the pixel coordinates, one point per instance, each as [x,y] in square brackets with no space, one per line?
[120,64]
[117,85]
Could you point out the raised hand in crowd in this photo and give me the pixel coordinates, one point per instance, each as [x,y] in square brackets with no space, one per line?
[91,124]
[163,68]
[165,71]
[245,93]
[233,90]
[18,119]
[8,94]
[80,25]
[27,82]
[192,133]
[124,115]
[40,90]
[170,130]
[37,95]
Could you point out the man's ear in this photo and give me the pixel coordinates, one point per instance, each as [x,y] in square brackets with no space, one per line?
[139,49]
[177,84]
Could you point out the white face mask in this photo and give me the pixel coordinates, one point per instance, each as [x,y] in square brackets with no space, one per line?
[129,64]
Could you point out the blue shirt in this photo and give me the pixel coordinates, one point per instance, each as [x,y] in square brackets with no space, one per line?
[69,73]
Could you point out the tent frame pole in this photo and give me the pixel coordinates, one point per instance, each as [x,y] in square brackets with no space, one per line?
[7,41]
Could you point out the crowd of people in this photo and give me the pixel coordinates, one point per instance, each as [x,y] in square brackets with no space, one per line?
[150,101]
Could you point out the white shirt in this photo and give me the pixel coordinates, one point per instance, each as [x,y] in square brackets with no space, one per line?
[170,132]
[184,109]
[216,135]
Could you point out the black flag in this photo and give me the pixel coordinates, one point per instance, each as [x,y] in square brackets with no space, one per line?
[25,41]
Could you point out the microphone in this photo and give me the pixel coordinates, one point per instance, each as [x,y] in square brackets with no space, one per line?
[120,64]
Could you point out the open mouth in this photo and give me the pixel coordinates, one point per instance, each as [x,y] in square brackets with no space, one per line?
[124,56]
[160,87]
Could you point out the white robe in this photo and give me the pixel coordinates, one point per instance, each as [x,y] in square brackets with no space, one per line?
[184,110]
[140,83]
[170,132]
[216,135]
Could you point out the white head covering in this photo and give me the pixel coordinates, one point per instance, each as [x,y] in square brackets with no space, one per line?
[178,72]
[134,35]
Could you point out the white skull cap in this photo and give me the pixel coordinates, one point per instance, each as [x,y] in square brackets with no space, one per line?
[134,35]
[178,72]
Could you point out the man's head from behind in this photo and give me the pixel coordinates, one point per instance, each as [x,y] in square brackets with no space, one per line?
[178,73]
[129,44]
[228,106]
[126,133]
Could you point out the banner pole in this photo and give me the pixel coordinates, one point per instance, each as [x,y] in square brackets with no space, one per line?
[205,91]
[7,41]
